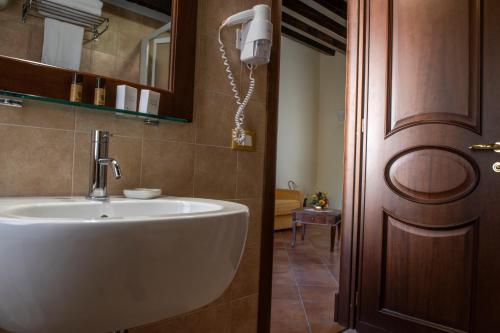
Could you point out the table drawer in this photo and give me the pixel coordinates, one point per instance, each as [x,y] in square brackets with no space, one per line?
[314,219]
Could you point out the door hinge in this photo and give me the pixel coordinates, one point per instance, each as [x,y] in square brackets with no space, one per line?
[356,299]
[363,125]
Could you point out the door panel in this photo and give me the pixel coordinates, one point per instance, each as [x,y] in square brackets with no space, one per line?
[433,43]
[432,174]
[431,220]
[427,272]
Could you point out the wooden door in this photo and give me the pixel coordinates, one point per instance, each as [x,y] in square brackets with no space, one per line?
[430,239]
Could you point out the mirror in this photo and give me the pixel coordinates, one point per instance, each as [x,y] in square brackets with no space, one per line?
[127,40]
[133,42]
[155,58]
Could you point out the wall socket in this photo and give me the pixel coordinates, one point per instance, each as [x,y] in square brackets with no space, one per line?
[248,145]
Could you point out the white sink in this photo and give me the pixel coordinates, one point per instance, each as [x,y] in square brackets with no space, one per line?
[73,265]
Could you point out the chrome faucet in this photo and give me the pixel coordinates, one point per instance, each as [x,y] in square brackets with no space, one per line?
[99,162]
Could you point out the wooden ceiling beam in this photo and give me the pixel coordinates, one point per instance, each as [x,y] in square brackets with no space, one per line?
[307,41]
[315,16]
[338,7]
[300,25]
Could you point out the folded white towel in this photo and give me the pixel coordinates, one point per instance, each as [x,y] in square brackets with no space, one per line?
[62,44]
[82,6]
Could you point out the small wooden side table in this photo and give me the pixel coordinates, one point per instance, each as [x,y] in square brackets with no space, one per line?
[305,216]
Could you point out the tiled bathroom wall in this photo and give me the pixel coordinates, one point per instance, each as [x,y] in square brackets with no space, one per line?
[44,150]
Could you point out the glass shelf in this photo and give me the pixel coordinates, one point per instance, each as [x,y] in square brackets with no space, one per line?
[6,95]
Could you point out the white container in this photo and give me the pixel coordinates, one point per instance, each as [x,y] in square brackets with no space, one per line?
[126,98]
[142,193]
[150,102]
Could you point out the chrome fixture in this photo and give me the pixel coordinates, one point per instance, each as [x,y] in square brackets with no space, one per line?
[99,162]
[96,25]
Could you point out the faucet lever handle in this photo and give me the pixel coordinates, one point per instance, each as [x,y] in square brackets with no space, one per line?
[117,170]
[115,166]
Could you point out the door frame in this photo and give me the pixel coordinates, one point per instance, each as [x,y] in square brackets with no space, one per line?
[346,303]
[345,308]
[269,178]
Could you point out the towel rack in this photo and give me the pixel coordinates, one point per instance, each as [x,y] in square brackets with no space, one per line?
[96,25]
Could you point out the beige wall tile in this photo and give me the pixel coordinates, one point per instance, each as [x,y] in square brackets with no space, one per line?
[224,298]
[250,174]
[244,314]
[250,3]
[81,164]
[107,43]
[35,161]
[128,46]
[40,115]
[246,281]
[255,120]
[215,319]
[169,166]
[255,226]
[14,40]
[88,120]
[214,118]
[180,324]
[114,15]
[215,173]
[12,11]
[210,71]
[128,68]
[260,76]
[103,64]
[170,131]
[211,14]
[34,52]
[86,62]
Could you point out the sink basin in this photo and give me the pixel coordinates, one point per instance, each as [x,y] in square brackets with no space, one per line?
[73,265]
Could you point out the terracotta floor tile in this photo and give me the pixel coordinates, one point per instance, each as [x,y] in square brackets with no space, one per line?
[304,283]
[283,274]
[286,310]
[289,327]
[334,269]
[330,258]
[280,244]
[313,275]
[304,258]
[280,256]
[319,311]
[326,328]
[301,247]
[318,293]
[285,291]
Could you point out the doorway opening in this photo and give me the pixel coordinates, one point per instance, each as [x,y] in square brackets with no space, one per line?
[309,169]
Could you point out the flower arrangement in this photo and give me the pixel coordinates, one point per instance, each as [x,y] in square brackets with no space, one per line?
[319,200]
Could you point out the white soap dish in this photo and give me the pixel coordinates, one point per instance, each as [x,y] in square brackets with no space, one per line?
[142,193]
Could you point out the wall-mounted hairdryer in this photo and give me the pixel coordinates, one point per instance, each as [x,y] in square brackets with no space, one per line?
[254,40]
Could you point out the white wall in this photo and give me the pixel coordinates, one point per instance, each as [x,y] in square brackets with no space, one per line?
[329,172]
[297,116]
[310,136]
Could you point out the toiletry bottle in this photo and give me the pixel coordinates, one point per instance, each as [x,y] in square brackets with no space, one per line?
[100,91]
[76,88]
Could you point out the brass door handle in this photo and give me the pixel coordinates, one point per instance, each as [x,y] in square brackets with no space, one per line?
[492,146]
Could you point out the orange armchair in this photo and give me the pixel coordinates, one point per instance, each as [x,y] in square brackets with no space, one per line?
[286,201]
